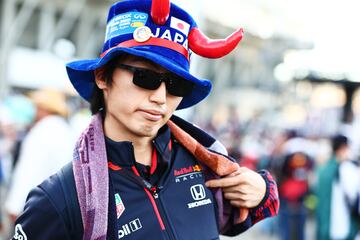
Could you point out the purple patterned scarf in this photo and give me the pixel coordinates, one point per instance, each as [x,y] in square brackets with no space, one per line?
[92,181]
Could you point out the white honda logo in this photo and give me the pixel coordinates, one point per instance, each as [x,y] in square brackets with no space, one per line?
[198,192]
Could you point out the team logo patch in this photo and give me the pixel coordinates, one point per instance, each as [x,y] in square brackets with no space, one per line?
[129,228]
[187,173]
[120,207]
[198,192]
[19,233]
[187,170]
[199,195]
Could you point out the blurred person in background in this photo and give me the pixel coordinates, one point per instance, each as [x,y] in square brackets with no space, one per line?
[8,139]
[293,189]
[337,192]
[133,175]
[293,166]
[47,147]
[16,115]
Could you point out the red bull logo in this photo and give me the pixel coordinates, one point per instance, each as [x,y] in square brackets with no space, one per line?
[188,173]
[187,170]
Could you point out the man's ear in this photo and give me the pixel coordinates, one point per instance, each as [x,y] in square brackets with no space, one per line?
[100,82]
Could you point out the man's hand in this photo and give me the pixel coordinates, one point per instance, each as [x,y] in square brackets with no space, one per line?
[243,188]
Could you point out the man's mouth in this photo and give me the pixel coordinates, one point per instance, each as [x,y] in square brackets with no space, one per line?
[152,115]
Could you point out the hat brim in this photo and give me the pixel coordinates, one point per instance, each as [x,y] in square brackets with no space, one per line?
[81,73]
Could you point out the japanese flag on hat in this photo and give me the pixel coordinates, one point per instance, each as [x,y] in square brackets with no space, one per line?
[179,25]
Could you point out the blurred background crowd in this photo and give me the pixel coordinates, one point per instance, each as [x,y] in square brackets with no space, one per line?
[286,100]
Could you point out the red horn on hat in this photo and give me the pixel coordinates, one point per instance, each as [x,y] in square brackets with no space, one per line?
[200,44]
[160,11]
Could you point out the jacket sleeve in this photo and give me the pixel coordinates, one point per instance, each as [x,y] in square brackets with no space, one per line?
[42,218]
[268,207]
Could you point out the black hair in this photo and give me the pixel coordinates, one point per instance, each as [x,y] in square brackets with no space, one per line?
[97,102]
[339,141]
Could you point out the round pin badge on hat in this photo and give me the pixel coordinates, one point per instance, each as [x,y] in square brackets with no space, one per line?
[142,34]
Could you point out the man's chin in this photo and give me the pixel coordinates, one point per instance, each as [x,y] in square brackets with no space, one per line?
[148,131]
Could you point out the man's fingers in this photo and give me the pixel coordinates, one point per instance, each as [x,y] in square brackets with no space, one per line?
[234,196]
[237,172]
[226,181]
[243,189]
[240,203]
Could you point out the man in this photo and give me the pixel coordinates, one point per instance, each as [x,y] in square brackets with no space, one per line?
[46,148]
[293,168]
[136,174]
[337,190]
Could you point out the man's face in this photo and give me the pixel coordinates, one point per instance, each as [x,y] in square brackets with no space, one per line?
[40,113]
[343,153]
[133,112]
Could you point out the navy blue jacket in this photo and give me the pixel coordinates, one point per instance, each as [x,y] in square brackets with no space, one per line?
[179,206]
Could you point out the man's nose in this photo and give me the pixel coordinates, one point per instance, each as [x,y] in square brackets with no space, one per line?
[159,95]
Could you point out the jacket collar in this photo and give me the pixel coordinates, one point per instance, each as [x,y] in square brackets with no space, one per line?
[122,153]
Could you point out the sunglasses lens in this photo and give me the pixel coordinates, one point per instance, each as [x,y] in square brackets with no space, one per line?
[179,87]
[146,79]
[151,80]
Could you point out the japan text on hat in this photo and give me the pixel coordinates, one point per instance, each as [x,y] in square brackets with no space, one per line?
[160,32]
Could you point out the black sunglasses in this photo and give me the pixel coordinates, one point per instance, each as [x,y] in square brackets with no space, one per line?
[152,80]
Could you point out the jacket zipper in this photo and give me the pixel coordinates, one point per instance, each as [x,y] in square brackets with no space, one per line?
[153,195]
[157,197]
[156,210]
[162,212]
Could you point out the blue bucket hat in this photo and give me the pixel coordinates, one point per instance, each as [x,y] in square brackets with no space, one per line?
[160,32]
